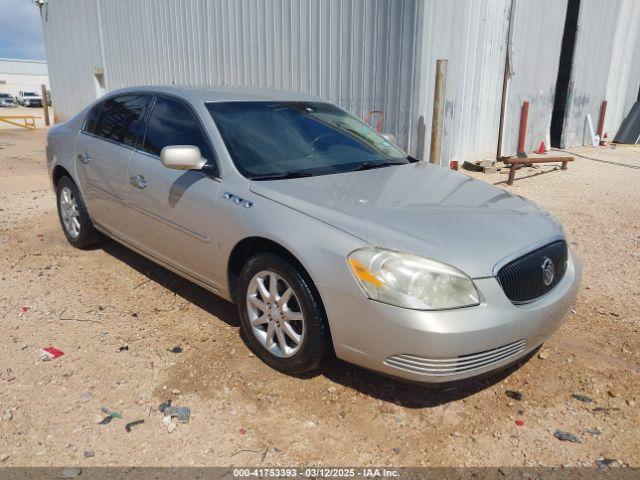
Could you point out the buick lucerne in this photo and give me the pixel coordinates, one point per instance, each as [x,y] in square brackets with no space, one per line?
[325,235]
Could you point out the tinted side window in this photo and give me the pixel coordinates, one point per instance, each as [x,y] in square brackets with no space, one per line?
[173,123]
[122,119]
[92,119]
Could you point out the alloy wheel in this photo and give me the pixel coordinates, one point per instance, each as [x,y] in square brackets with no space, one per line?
[275,314]
[69,212]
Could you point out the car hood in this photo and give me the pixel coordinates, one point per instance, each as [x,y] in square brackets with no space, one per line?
[422,209]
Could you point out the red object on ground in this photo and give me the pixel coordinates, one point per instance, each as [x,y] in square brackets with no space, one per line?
[453,164]
[52,352]
[24,309]
[242,431]
[542,149]
[519,422]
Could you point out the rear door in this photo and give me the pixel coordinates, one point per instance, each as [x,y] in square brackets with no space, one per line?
[112,131]
[173,212]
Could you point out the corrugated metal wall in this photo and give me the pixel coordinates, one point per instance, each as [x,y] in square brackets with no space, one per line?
[355,53]
[623,87]
[597,22]
[536,41]
[472,35]
[73,51]
[361,54]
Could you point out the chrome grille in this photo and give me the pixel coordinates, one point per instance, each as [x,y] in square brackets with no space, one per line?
[452,366]
[522,279]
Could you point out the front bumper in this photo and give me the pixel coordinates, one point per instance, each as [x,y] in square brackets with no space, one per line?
[445,346]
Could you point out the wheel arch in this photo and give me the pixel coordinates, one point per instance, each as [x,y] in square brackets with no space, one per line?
[250,246]
[58,172]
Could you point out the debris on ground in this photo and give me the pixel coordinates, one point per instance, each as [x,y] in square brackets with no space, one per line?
[519,422]
[514,394]
[543,354]
[243,431]
[124,348]
[176,349]
[607,463]
[594,431]
[7,415]
[89,453]
[582,398]
[182,413]
[24,309]
[566,436]
[111,413]
[164,405]
[49,353]
[129,425]
[106,420]
[604,409]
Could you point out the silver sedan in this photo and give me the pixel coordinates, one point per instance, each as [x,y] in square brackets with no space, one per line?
[325,234]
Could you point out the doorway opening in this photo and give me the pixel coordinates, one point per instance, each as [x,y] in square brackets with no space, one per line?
[564,72]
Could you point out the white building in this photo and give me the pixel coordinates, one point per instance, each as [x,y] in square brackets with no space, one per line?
[28,75]
[563,56]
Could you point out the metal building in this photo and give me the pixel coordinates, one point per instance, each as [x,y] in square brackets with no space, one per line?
[563,56]
[16,75]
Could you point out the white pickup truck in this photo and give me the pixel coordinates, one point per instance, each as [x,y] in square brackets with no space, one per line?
[29,99]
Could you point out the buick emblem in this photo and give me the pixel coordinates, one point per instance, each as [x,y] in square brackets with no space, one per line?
[548,271]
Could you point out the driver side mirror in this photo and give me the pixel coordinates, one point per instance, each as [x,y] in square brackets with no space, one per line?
[182,157]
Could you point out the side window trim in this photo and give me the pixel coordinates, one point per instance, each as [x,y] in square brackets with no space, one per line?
[198,120]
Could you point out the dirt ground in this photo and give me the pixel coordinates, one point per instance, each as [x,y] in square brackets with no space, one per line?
[93,304]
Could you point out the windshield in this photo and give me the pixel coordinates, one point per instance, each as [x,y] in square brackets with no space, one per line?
[5,95]
[29,94]
[286,139]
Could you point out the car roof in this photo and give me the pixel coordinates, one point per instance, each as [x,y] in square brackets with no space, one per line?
[223,93]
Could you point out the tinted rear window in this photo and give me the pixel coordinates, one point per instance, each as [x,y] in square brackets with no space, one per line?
[92,119]
[122,119]
[173,123]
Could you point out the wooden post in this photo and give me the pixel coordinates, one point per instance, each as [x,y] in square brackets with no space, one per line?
[437,121]
[45,104]
[524,117]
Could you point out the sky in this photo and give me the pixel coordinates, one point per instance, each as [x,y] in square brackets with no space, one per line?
[21,30]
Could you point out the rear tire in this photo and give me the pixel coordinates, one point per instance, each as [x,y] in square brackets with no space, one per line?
[280,315]
[74,218]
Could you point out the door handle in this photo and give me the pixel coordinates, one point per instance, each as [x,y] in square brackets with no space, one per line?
[84,158]
[138,181]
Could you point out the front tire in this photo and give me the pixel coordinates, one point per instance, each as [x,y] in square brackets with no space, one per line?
[280,315]
[73,215]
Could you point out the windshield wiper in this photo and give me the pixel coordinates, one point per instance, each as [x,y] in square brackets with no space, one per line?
[372,165]
[283,175]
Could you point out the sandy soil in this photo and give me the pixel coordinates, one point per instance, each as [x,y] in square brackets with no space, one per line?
[91,304]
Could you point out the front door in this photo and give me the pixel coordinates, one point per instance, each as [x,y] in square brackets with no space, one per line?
[173,212]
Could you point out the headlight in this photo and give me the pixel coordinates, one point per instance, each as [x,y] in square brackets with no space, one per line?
[411,281]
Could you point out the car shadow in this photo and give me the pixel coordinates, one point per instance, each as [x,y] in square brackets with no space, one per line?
[410,394]
[210,302]
[372,384]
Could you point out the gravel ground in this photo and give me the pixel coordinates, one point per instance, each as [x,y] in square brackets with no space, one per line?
[118,317]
